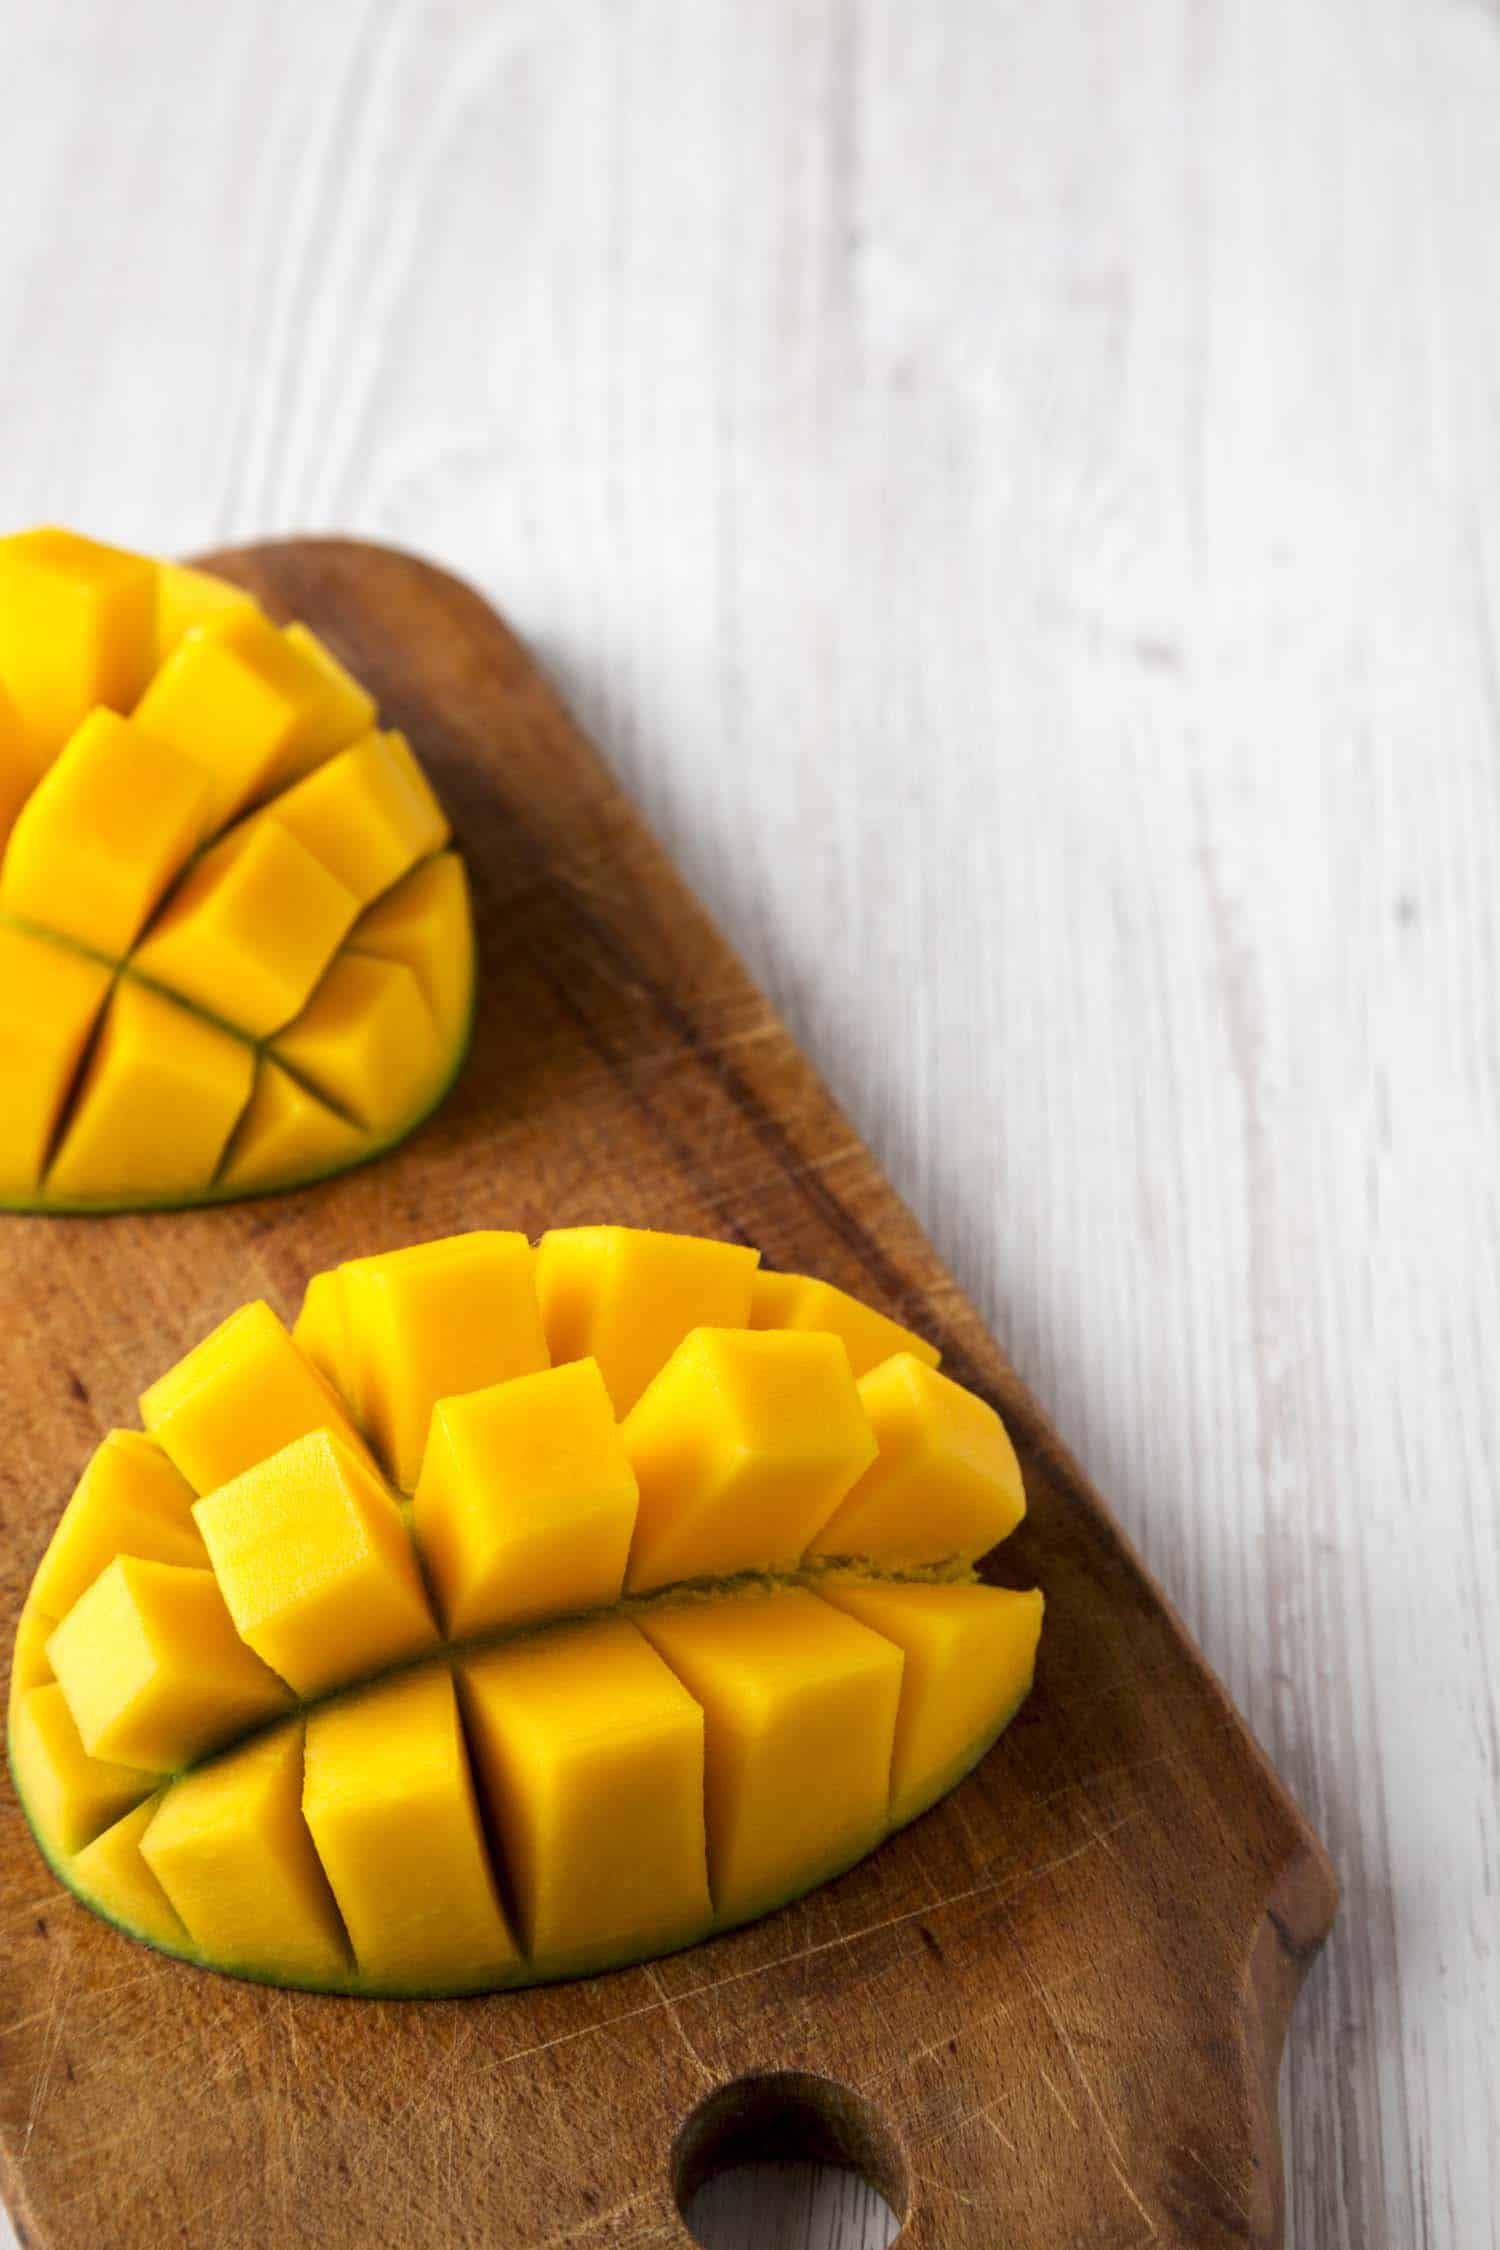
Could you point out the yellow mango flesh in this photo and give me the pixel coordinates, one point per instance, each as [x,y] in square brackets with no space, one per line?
[626,1297]
[798,1300]
[590,1695]
[205,845]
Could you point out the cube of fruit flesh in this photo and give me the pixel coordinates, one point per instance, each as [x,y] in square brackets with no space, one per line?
[425,924]
[50,1000]
[321,1332]
[390,1802]
[69,1796]
[77,629]
[946,1483]
[796,1300]
[346,710]
[104,832]
[29,1664]
[627,1297]
[129,1501]
[430,1322]
[316,1565]
[970,1652]
[153,1670]
[251,704]
[237,1398]
[20,766]
[526,1501]
[286,1135]
[112,1874]
[743,1446]
[251,929]
[800,1703]
[230,1848]
[159,1099]
[368,815]
[589,1755]
[367,1042]
[187,599]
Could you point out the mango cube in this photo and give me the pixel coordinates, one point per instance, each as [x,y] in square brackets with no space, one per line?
[286,1136]
[627,1296]
[153,1670]
[970,1652]
[20,766]
[77,629]
[229,1846]
[103,833]
[590,1758]
[29,1663]
[321,1333]
[429,1322]
[50,1000]
[367,1042]
[316,1565]
[526,1501]
[251,705]
[158,1101]
[112,1874]
[68,1795]
[946,1485]
[800,1704]
[743,1447]
[796,1300]
[187,599]
[425,923]
[251,930]
[129,1501]
[368,815]
[346,711]
[389,1798]
[238,1397]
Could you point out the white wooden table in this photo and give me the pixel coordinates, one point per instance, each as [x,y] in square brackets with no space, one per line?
[1016,491]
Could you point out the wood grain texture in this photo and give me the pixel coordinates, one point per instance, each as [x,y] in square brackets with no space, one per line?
[1012,489]
[1064,1993]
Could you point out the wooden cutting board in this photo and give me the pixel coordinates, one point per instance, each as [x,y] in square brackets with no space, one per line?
[1050,2013]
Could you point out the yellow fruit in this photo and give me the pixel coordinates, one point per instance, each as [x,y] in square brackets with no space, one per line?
[205,846]
[607,1683]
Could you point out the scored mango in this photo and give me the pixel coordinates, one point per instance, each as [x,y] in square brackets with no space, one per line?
[207,844]
[398,1657]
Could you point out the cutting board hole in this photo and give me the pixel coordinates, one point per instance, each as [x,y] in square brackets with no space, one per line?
[777,2157]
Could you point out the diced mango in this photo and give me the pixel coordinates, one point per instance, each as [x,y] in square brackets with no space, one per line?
[129,1501]
[347,710]
[251,706]
[389,1798]
[69,1796]
[187,599]
[367,1041]
[970,1652]
[102,836]
[230,1848]
[426,923]
[238,1397]
[526,1501]
[316,1565]
[20,767]
[287,1136]
[429,1322]
[627,1297]
[743,1447]
[153,1670]
[367,815]
[29,1663]
[77,629]
[800,1704]
[159,1099]
[589,1754]
[321,1332]
[50,1000]
[946,1483]
[251,930]
[112,1874]
[796,1300]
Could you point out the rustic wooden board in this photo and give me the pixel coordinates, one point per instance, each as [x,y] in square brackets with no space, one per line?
[1054,2007]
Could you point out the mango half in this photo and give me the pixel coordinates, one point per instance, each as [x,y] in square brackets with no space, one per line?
[236,951]
[523,1612]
